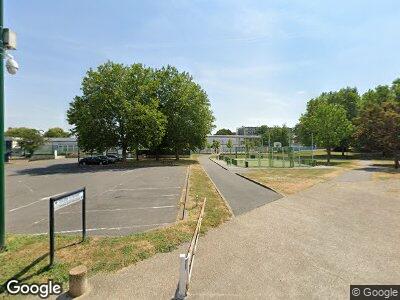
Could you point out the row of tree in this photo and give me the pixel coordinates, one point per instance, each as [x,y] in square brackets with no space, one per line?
[134,106]
[30,139]
[367,122]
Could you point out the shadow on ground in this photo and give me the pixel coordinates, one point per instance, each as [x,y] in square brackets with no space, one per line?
[71,168]
[20,275]
[381,168]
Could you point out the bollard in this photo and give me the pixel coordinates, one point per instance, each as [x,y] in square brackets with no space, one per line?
[183,277]
[77,281]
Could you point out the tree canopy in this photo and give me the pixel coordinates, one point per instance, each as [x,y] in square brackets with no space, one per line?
[328,123]
[30,139]
[275,133]
[136,106]
[56,132]
[224,131]
[118,108]
[187,109]
[215,145]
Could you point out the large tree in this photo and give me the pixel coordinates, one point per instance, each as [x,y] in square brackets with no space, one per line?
[328,123]
[224,131]
[379,95]
[30,139]
[378,128]
[187,108]
[118,108]
[56,132]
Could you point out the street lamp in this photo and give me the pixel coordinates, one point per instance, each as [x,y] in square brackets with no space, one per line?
[8,41]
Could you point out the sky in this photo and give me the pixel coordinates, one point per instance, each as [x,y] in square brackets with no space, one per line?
[258,61]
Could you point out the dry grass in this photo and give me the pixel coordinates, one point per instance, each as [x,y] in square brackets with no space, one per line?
[389,174]
[27,255]
[291,181]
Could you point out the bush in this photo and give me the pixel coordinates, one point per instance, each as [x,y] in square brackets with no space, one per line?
[41,157]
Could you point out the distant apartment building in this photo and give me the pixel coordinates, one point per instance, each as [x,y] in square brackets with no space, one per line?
[246,130]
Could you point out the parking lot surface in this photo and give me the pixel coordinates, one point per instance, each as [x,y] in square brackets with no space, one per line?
[119,200]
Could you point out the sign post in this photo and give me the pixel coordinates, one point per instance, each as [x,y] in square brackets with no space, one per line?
[61,201]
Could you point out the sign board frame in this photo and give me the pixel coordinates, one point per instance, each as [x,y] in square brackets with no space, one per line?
[59,202]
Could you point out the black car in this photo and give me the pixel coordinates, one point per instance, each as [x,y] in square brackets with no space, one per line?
[107,159]
[94,160]
[114,158]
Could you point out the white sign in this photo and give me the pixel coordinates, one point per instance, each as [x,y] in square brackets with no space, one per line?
[68,200]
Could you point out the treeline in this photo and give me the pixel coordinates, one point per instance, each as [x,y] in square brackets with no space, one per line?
[133,106]
[342,119]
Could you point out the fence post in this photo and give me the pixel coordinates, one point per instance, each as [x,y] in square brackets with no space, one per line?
[51,225]
[182,276]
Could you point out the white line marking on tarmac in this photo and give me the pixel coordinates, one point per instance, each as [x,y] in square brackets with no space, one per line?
[37,222]
[106,228]
[29,204]
[121,209]
[34,202]
[140,189]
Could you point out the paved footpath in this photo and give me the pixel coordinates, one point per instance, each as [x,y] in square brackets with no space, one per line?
[241,194]
[311,245]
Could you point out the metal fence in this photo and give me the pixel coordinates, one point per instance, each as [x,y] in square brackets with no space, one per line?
[273,157]
[187,260]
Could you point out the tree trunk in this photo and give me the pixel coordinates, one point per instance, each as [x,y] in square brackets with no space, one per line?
[157,154]
[176,154]
[328,150]
[137,153]
[124,153]
[396,160]
[343,150]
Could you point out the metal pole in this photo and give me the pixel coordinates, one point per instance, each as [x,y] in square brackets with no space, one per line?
[2,188]
[51,229]
[84,214]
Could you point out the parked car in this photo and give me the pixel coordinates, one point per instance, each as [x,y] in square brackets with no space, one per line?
[107,159]
[94,160]
[114,158]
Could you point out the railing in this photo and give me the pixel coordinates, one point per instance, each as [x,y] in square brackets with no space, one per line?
[187,260]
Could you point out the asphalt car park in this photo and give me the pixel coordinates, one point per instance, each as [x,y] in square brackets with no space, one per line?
[120,200]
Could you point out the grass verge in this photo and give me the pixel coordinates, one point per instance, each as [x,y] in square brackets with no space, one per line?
[387,174]
[291,181]
[27,257]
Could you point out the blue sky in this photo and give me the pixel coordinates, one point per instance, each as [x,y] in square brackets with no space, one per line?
[259,61]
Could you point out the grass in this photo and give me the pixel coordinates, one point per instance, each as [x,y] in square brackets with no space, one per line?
[394,175]
[291,181]
[27,257]
[349,160]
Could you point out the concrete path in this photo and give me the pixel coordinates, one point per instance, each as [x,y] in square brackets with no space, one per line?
[241,194]
[311,245]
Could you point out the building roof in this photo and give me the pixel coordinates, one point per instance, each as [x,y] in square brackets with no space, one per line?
[59,139]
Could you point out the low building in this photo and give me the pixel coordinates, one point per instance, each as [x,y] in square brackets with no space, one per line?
[62,145]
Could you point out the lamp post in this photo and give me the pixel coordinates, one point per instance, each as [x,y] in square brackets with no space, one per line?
[2,189]
[8,41]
